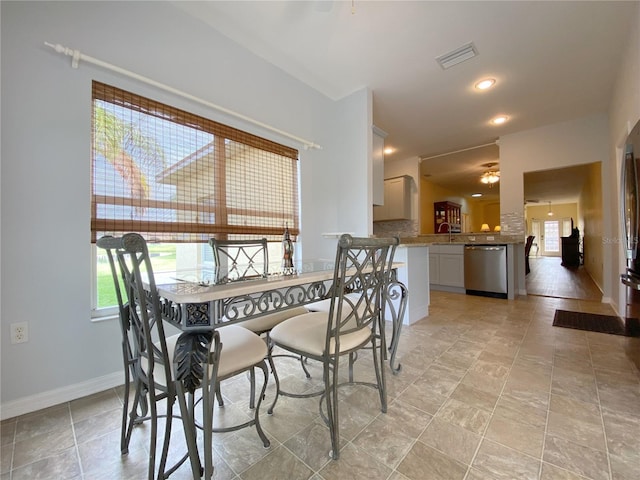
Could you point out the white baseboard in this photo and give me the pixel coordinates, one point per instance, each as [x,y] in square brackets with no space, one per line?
[610,301]
[57,396]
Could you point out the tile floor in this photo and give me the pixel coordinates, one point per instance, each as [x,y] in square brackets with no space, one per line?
[549,278]
[489,389]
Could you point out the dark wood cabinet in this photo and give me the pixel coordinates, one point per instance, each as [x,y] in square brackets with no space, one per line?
[447,217]
[570,251]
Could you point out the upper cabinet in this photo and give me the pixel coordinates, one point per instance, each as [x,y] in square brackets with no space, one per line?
[397,200]
[378,165]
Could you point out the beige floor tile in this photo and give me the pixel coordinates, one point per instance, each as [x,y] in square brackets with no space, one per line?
[454,441]
[622,468]
[8,431]
[356,464]
[576,458]
[97,425]
[551,472]
[502,462]
[6,457]
[424,462]
[59,464]
[520,436]
[530,394]
[47,420]
[464,415]
[93,404]
[474,397]
[42,446]
[623,435]
[390,436]
[482,380]
[422,397]
[278,461]
[574,385]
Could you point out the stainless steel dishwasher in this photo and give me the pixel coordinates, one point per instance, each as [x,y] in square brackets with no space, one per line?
[485,270]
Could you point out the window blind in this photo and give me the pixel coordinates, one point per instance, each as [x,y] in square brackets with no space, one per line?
[178,177]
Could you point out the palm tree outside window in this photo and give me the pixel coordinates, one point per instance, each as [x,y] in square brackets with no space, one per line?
[179,179]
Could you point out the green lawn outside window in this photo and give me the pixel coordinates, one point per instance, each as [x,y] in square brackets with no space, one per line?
[163,258]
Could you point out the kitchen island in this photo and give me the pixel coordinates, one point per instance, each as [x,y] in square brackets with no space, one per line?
[414,274]
[418,275]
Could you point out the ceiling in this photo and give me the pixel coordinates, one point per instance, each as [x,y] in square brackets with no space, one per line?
[552,61]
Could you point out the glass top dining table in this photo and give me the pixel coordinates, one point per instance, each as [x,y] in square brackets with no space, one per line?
[202,299]
[205,284]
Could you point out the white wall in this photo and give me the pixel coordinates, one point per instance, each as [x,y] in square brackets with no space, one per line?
[575,142]
[45,147]
[624,112]
[580,141]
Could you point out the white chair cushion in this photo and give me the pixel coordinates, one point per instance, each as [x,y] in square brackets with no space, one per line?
[159,374]
[262,324]
[325,305]
[241,349]
[307,333]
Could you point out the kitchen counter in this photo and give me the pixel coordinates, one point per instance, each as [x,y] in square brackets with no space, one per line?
[413,246]
[462,238]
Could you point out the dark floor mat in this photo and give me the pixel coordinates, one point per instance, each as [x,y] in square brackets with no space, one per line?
[590,322]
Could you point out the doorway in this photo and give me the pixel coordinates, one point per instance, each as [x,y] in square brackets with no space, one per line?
[547,235]
[551,238]
[546,242]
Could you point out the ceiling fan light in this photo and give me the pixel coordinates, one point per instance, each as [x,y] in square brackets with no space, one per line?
[490,177]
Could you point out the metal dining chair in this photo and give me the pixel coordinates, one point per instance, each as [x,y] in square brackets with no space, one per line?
[394,311]
[238,260]
[155,364]
[355,320]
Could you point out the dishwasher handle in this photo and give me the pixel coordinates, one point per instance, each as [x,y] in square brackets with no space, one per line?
[484,248]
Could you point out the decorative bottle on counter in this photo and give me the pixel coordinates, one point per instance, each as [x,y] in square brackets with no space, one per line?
[287,249]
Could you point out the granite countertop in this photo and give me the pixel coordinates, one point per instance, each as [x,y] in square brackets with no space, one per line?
[462,238]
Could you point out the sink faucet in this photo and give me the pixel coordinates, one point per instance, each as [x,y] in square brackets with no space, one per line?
[449,229]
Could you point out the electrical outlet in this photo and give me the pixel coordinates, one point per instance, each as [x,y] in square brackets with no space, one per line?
[19,332]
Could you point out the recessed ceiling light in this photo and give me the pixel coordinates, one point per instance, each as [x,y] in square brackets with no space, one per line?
[485,84]
[389,150]
[476,194]
[499,120]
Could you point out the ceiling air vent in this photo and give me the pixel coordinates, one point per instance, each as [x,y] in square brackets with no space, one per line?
[457,56]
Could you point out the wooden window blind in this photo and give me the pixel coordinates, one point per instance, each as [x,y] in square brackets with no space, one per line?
[173,176]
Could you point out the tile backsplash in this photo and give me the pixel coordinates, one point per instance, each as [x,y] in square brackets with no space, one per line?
[401,228]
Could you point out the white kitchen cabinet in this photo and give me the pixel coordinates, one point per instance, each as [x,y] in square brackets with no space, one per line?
[434,268]
[378,166]
[451,270]
[397,200]
[446,267]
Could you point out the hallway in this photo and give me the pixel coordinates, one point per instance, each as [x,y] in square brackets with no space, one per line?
[548,278]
